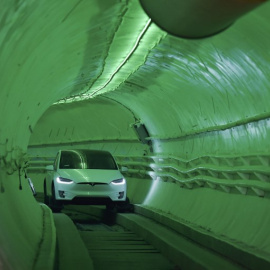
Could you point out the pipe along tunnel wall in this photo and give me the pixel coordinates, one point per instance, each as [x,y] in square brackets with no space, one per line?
[205,104]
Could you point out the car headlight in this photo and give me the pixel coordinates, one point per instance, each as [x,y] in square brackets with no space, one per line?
[62,180]
[121,181]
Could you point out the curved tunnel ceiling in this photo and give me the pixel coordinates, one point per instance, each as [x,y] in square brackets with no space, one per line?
[199,99]
[184,87]
[86,48]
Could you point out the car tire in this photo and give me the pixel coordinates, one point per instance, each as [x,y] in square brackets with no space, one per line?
[55,204]
[46,198]
[125,206]
[111,206]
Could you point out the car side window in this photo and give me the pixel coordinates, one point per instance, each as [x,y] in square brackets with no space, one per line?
[56,161]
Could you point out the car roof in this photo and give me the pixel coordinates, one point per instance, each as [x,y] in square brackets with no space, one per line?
[87,150]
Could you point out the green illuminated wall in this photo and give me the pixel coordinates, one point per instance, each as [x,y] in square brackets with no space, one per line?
[104,66]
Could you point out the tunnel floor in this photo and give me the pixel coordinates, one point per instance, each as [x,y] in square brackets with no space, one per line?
[113,247]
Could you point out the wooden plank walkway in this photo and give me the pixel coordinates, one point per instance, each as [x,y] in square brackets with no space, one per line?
[121,250]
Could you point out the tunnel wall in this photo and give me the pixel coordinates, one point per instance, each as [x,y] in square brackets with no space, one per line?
[100,123]
[205,103]
[44,56]
[221,192]
[21,224]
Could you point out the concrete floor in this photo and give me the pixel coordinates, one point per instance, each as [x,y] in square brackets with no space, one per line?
[113,247]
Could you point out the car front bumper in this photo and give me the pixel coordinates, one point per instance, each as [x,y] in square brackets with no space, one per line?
[69,192]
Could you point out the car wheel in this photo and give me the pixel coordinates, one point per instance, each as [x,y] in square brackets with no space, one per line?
[111,206]
[46,198]
[55,204]
[125,206]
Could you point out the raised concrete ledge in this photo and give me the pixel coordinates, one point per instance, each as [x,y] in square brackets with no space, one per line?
[182,244]
[71,251]
[61,246]
[243,255]
[46,255]
[183,252]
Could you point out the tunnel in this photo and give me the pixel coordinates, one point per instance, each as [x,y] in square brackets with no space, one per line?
[178,92]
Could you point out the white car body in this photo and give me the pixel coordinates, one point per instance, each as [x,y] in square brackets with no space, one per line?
[74,178]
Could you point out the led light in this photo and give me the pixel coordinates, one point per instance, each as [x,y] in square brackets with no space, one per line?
[87,95]
[126,58]
[62,180]
[121,181]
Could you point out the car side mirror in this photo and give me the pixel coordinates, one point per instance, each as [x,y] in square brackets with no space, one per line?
[49,168]
[124,169]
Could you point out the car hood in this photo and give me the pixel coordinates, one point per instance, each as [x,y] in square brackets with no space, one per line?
[87,175]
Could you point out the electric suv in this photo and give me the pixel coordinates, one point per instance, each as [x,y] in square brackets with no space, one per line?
[84,177]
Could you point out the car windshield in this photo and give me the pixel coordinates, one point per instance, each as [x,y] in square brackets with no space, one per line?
[87,159]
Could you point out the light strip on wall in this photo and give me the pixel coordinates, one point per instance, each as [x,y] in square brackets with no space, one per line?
[125,60]
[91,95]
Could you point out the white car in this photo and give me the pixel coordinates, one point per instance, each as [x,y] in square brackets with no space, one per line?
[84,177]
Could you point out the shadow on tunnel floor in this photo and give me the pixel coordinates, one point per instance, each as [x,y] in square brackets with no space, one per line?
[87,213]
